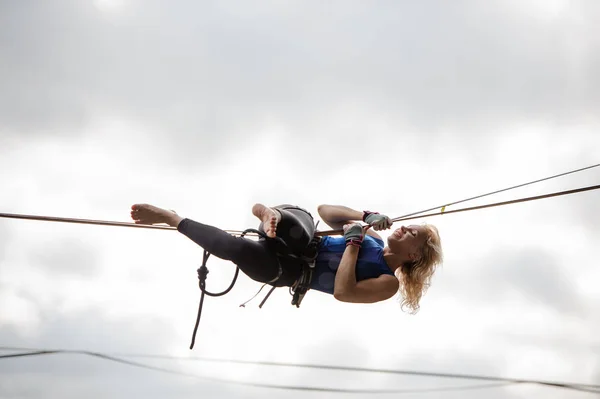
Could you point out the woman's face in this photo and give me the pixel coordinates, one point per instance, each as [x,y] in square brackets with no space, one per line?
[407,241]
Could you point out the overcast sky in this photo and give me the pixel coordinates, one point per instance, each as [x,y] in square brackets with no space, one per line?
[207,107]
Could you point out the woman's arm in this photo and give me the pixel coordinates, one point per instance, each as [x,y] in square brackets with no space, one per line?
[347,289]
[336,216]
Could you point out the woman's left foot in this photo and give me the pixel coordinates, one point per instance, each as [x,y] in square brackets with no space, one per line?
[149,214]
[269,218]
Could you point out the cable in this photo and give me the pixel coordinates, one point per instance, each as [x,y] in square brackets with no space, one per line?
[500,191]
[269,386]
[574,386]
[584,387]
[96,222]
[83,221]
[538,197]
[25,354]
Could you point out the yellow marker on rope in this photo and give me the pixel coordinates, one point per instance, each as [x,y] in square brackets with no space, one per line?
[443,209]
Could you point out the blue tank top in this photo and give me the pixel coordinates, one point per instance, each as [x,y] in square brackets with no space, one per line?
[370,263]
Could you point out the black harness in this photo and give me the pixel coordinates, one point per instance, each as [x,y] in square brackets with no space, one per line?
[306,254]
[307,259]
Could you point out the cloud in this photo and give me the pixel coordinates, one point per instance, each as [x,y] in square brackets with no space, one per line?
[215,77]
[528,276]
[66,256]
[453,361]
[535,275]
[584,210]
[71,374]
[4,237]
[93,328]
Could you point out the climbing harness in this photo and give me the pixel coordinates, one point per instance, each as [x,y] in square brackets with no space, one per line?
[307,257]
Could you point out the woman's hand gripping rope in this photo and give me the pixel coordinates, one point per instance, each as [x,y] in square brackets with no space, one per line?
[354,233]
[377,220]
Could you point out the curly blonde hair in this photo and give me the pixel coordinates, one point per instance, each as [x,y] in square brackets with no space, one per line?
[415,277]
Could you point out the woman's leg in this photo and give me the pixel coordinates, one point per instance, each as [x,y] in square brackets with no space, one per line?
[223,245]
[254,258]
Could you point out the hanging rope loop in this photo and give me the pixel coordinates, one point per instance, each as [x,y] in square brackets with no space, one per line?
[203,274]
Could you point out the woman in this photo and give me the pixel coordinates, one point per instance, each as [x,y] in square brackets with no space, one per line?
[356,267]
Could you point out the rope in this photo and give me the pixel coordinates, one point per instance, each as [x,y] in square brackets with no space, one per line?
[538,197]
[500,191]
[203,273]
[97,222]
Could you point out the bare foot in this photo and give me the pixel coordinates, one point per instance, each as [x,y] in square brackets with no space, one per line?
[149,214]
[269,218]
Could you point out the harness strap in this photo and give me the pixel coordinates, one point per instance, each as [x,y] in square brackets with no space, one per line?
[267,297]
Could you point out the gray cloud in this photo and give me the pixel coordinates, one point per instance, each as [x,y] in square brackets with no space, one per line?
[91,328]
[530,273]
[596,374]
[454,361]
[66,256]
[451,360]
[539,277]
[553,341]
[213,76]
[4,237]
[72,374]
[575,212]
[584,208]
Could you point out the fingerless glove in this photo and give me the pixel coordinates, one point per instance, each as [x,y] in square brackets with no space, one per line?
[379,222]
[354,235]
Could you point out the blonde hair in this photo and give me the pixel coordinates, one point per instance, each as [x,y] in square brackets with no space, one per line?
[415,277]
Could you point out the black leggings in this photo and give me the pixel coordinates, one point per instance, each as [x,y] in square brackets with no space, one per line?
[257,259]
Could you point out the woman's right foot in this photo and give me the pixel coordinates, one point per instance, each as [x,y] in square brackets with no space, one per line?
[149,214]
[269,218]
